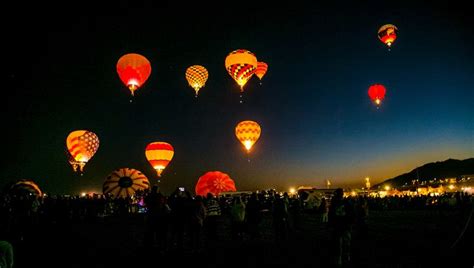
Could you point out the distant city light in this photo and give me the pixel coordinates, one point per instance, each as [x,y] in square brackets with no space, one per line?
[292,191]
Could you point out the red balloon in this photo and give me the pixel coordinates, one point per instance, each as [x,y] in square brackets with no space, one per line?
[214,182]
[377,93]
[133,69]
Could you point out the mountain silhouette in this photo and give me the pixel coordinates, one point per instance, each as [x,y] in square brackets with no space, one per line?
[450,168]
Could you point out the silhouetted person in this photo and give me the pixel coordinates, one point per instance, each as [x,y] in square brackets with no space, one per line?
[180,205]
[323,210]
[213,212]
[156,219]
[6,254]
[280,218]
[237,212]
[362,213]
[198,215]
[253,216]
[341,218]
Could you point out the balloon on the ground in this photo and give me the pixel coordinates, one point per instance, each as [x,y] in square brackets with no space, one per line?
[26,187]
[159,155]
[214,182]
[241,65]
[124,182]
[81,145]
[248,132]
[387,34]
[133,69]
[197,76]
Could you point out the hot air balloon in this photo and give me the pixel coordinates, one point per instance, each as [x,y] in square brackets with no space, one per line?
[387,34]
[159,154]
[214,182]
[262,68]
[377,93]
[81,145]
[241,65]
[133,69]
[26,187]
[248,133]
[124,182]
[197,76]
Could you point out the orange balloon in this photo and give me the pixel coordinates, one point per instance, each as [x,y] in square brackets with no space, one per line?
[248,132]
[262,68]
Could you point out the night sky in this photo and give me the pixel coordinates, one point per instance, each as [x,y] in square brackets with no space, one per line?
[317,120]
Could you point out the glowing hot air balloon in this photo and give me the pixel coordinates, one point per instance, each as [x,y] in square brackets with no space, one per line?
[241,65]
[124,182]
[214,182]
[26,187]
[133,69]
[248,132]
[377,93]
[159,154]
[81,145]
[197,76]
[262,68]
[387,34]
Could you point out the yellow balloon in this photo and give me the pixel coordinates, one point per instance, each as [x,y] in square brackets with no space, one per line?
[248,132]
[197,76]
[241,65]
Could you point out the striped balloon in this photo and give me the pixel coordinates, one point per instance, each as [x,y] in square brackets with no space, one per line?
[197,76]
[262,68]
[248,132]
[133,69]
[159,154]
[124,182]
[81,145]
[241,65]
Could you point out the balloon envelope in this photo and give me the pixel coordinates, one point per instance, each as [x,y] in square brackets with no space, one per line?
[159,155]
[81,145]
[377,93]
[262,68]
[197,76]
[241,65]
[214,182]
[26,187]
[248,132]
[124,182]
[133,70]
[387,34]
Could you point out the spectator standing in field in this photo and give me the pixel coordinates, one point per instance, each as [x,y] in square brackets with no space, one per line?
[341,217]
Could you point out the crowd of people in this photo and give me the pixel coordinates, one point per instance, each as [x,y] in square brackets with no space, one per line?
[183,221]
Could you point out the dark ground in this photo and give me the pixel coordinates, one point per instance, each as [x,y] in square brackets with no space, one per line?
[416,238]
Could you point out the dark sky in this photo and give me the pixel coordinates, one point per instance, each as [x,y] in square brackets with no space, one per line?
[317,120]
